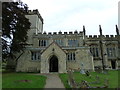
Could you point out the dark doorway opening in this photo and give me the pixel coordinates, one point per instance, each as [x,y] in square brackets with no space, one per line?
[113,63]
[53,64]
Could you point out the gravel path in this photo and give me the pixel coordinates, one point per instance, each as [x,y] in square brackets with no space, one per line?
[53,81]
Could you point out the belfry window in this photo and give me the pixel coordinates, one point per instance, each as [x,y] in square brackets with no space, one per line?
[35,55]
[42,42]
[71,56]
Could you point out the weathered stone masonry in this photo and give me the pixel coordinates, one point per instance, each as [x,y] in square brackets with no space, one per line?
[58,51]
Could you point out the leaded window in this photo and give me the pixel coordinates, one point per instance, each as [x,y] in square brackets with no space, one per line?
[94,51]
[72,42]
[71,56]
[35,55]
[59,42]
[111,52]
[42,42]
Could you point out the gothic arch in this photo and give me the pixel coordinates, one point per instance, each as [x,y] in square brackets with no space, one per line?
[53,64]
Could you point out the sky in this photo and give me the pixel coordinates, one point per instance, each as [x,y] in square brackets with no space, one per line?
[71,15]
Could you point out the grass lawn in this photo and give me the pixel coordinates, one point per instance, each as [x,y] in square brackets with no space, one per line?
[22,80]
[112,76]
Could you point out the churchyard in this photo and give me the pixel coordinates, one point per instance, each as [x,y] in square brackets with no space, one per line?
[107,79]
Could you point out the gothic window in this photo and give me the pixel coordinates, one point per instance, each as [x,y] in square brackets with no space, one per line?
[111,52]
[71,56]
[59,42]
[35,55]
[73,42]
[42,42]
[94,50]
[68,56]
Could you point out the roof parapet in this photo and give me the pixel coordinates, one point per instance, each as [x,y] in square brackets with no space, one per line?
[59,32]
[49,33]
[65,33]
[75,32]
[54,33]
[70,32]
[101,36]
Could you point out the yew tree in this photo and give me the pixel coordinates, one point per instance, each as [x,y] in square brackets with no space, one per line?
[14,28]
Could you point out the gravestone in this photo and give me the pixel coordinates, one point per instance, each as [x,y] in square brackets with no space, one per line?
[82,70]
[87,73]
[84,84]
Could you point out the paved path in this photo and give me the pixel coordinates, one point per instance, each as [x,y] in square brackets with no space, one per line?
[53,81]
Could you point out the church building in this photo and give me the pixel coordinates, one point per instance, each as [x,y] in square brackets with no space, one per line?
[61,51]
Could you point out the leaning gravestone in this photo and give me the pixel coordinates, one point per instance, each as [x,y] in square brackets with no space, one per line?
[87,73]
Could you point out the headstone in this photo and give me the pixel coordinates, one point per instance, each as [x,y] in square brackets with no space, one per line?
[87,73]
[82,70]
[84,84]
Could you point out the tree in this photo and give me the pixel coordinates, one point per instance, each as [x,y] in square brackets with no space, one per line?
[14,28]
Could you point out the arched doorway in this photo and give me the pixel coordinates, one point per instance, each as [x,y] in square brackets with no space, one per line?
[113,63]
[53,64]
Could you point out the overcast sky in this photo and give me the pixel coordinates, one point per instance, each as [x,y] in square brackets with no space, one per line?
[71,15]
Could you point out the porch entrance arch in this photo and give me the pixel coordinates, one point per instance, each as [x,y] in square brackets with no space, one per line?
[53,64]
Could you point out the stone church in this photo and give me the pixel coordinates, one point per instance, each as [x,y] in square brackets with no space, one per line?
[61,51]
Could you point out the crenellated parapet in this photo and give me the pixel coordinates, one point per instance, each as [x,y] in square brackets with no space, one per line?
[104,37]
[36,12]
[62,33]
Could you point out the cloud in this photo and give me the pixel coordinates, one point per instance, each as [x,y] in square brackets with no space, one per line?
[69,15]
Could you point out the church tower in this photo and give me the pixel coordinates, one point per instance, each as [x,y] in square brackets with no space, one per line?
[36,24]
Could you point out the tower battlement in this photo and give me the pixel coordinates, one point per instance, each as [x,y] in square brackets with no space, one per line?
[35,12]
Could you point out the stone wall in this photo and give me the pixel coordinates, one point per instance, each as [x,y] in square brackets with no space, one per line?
[25,64]
[84,57]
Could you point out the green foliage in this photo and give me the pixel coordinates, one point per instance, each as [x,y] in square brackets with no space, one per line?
[17,80]
[14,27]
[112,77]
